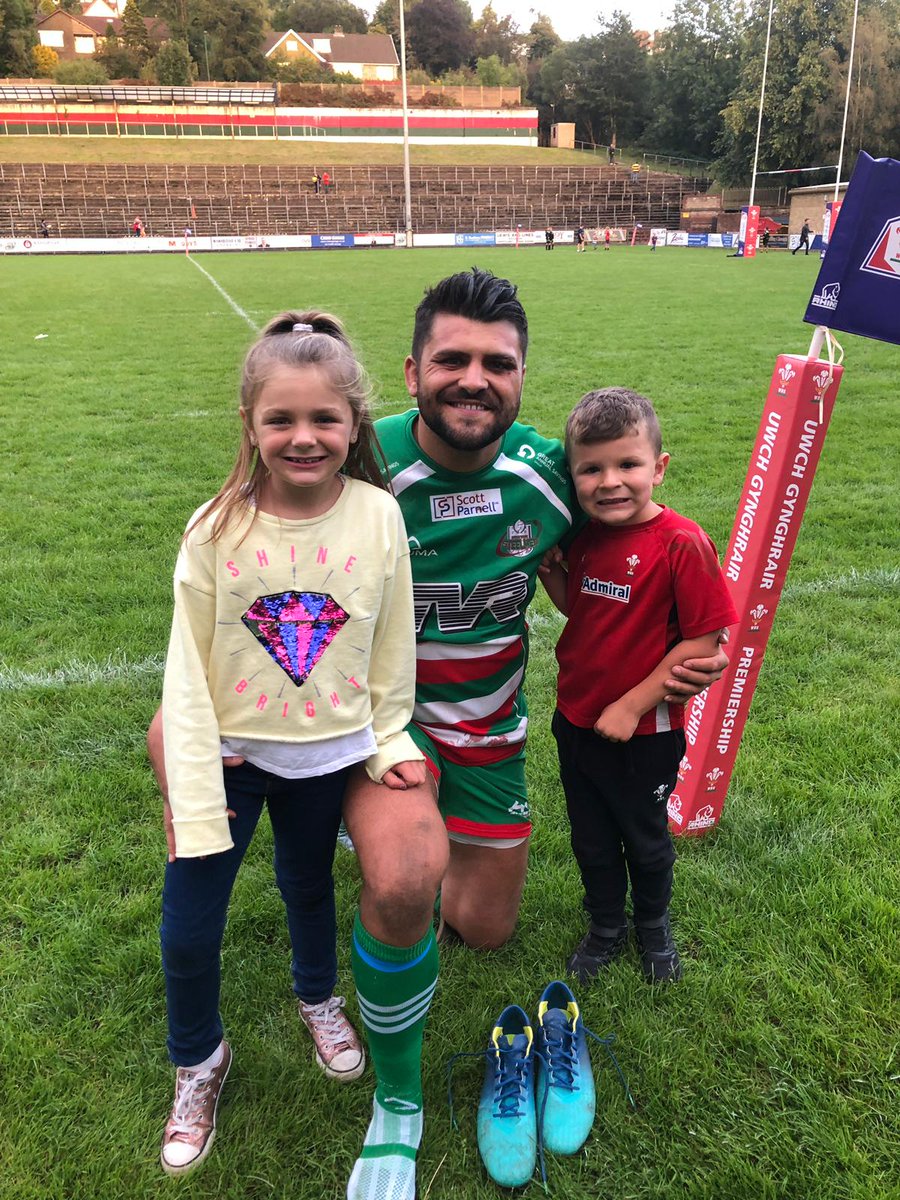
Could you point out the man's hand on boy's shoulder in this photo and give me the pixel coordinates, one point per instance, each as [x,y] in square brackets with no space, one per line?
[695,675]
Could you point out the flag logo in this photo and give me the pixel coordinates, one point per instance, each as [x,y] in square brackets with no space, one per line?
[884,257]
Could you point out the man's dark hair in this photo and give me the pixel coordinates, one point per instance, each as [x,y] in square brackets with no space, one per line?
[476,294]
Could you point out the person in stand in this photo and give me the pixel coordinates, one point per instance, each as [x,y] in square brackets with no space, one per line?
[44,228]
[642,592]
[316,182]
[580,244]
[549,238]
[292,653]
[326,182]
[611,154]
[466,829]
[137,227]
[804,237]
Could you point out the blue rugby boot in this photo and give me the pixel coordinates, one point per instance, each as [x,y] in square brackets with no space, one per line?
[507,1124]
[565,1081]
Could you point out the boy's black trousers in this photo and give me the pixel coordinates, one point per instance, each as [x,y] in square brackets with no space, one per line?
[616,795]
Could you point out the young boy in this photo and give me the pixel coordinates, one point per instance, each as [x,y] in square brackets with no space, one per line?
[643,592]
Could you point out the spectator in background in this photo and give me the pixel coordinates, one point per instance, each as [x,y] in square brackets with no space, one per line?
[137,227]
[548,238]
[580,244]
[804,237]
[316,182]
[606,237]
[652,242]
[44,228]
[765,240]
[326,181]
[611,155]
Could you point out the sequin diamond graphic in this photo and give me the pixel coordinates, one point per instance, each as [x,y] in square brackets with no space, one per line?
[296,628]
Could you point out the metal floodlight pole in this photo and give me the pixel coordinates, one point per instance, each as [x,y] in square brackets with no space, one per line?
[407,197]
[762,97]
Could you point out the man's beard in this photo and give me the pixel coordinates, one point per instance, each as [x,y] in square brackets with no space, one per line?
[476,438]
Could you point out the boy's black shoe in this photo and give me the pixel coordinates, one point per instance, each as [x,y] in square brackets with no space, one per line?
[659,954]
[596,950]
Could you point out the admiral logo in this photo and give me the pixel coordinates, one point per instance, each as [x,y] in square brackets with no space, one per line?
[673,808]
[606,587]
[458,505]
[884,257]
[703,818]
[519,540]
[828,297]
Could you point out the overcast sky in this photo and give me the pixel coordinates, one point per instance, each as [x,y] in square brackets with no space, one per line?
[572,18]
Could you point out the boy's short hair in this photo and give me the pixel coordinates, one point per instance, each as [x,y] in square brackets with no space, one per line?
[611,413]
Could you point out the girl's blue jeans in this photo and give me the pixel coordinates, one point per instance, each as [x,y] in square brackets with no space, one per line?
[305,814]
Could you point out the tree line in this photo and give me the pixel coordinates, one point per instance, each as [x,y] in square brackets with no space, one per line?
[690,89]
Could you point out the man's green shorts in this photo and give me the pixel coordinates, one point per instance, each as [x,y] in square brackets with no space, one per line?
[485,803]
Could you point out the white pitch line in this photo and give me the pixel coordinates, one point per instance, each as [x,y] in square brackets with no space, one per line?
[237,308]
[76,671]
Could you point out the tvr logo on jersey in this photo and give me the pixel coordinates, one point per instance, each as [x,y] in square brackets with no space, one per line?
[502,599]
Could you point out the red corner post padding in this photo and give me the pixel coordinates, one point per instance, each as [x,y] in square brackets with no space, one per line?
[788,444]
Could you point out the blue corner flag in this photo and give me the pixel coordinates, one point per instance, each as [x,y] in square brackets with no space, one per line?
[858,287]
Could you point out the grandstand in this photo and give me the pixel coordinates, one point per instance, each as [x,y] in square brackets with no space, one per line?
[102,200]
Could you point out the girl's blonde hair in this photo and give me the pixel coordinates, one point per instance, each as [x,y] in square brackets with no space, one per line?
[298,339]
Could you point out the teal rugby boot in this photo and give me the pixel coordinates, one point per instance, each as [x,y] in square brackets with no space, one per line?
[507,1123]
[565,1082]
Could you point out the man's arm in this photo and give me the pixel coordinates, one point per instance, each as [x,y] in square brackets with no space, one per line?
[619,720]
[554,576]
[696,674]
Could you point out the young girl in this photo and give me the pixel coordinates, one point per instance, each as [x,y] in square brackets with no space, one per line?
[292,652]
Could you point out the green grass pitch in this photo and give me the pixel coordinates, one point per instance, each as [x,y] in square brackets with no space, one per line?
[770,1073]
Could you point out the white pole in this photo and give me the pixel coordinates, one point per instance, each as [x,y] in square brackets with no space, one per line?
[837,180]
[762,97]
[407,198]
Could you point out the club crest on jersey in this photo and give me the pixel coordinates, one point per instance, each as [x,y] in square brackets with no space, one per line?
[633,561]
[455,506]
[519,540]
[606,587]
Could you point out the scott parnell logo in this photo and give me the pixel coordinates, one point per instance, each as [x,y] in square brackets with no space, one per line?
[458,505]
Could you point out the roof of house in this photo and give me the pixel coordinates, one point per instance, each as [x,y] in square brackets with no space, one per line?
[337,48]
[157,29]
